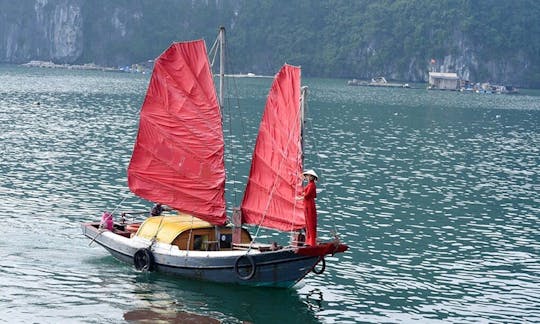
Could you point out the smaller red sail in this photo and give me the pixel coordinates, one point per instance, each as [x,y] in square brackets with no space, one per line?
[178,155]
[275,177]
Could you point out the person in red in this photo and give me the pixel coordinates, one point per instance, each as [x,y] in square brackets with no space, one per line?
[310,213]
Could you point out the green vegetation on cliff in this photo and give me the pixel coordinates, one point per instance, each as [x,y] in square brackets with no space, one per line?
[495,40]
[398,38]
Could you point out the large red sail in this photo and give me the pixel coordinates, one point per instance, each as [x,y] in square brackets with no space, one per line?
[275,177]
[178,156]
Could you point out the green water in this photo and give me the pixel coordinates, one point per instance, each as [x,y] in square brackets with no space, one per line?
[436,193]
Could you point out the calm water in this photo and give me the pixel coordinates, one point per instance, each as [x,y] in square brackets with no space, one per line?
[437,194]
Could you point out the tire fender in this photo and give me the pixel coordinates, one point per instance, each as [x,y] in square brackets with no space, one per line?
[143,260]
[323,266]
[252,267]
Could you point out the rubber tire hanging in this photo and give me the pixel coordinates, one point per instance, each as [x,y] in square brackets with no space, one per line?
[323,267]
[252,266]
[143,260]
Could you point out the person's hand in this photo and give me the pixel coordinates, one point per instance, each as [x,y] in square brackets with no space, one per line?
[299,198]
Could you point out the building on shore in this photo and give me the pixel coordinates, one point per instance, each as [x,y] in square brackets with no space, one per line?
[443,81]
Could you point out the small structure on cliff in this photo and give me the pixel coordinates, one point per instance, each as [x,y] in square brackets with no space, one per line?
[443,81]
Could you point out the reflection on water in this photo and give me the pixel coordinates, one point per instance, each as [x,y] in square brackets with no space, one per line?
[157,315]
[435,192]
[223,302]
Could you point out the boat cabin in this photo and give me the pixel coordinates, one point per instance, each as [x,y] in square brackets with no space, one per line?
[189,233]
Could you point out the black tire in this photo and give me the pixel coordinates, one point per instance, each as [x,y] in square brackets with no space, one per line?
[240,267]
[143,260]
[323,266]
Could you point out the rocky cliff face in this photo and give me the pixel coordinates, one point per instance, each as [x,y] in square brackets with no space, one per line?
[114,33]
[467,61]
[41,30]
[469,67]
[104,32]
[64,28]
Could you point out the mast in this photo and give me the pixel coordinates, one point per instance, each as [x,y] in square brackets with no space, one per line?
[296,237]
[303,99]
[221,63]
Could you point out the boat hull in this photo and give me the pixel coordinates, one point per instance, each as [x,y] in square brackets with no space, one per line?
[281,268]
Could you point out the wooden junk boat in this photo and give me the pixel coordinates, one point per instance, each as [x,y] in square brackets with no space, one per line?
[178,161]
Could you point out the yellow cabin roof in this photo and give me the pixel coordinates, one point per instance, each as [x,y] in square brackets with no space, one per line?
[169,227]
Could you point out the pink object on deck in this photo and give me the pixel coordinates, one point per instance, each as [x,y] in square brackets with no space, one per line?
[106,221]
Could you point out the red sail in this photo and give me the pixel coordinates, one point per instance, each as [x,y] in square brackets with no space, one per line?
[275,177]
[178,156]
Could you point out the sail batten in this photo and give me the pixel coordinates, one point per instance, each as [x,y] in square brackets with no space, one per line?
[178,157]
[275,176]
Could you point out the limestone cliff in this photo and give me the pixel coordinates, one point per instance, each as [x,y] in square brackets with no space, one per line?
[397,39]
[41,30]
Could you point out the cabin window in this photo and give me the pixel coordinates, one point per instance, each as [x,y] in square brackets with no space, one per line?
[225,241]
[199,242]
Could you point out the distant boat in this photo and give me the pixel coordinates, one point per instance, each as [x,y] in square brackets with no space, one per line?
[178,160]
[502,89]
[377,82]
[488,88]
[248,75]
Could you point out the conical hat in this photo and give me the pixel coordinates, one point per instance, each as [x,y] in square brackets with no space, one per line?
[311,172]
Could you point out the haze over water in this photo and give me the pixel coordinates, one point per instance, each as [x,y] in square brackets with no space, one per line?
[436,193]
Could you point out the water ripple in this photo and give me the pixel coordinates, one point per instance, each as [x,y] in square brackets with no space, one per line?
[436,194]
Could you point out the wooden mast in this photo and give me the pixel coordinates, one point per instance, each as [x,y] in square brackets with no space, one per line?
[221,63]
[297,238]
[303,97]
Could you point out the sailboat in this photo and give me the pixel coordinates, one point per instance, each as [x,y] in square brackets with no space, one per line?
[178,161]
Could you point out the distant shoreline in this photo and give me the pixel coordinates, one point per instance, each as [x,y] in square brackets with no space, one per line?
[87,66]
[247,75]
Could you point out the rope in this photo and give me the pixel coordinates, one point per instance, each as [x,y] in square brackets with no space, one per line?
[274,186]
[157,231]
[214,50]
[230,119]
[229,109]
[118,205]
[100,231]
[189,240]
[316,149]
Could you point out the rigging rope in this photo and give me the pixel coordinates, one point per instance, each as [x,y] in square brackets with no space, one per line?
[229,107]
[232,107]
[120,204]
[189,240]
[317,152]
[274,186]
